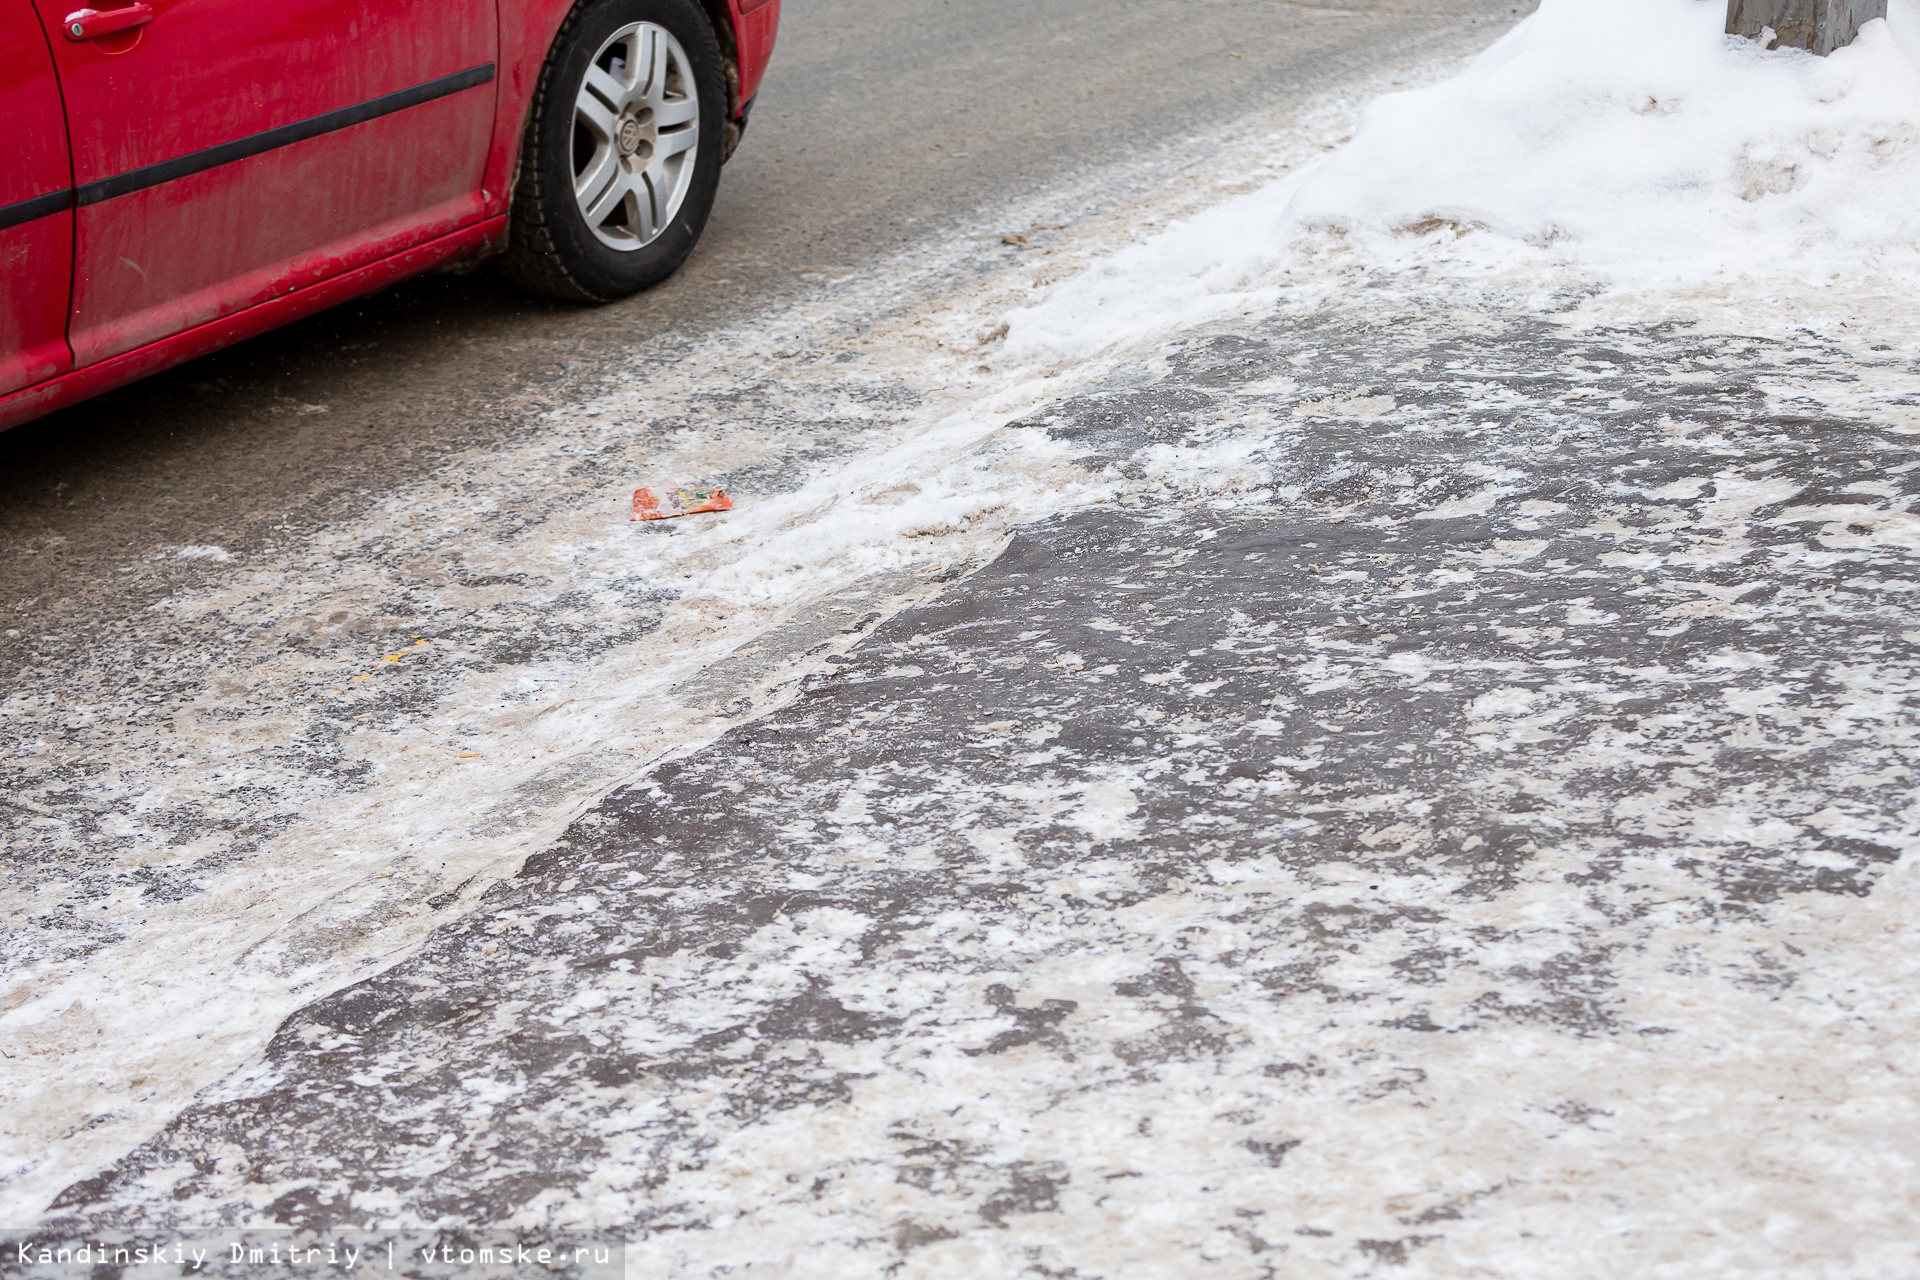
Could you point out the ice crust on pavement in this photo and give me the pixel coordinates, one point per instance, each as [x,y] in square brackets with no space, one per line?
[1618,145]
[915,489]
[594,646]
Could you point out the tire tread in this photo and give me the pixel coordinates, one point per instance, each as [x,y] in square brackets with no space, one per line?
[531,259]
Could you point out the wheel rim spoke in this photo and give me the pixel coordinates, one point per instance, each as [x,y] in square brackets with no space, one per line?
[645,200]
[604,205]
[675,111]
[653,51]
[601,84]
[672,144]
[596,115]
[602,173]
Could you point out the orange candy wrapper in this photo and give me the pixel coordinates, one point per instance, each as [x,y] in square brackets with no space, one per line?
[648,505]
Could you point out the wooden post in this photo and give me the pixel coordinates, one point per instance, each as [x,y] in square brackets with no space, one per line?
[1818,25]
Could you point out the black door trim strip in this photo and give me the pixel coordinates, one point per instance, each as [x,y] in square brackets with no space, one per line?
[241,148]
[153,175]
[53,202]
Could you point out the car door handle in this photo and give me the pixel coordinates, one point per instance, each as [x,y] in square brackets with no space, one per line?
[89,24]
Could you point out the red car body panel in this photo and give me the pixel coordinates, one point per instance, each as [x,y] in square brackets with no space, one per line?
[142,362]
[755,24]
[36,253]
[232,167]
[178,253]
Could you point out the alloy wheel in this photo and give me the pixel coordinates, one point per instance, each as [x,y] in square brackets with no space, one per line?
[636,133]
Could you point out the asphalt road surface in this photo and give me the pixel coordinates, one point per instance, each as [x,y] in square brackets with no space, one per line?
[880,123]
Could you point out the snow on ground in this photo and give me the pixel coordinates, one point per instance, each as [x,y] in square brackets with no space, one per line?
[1624,147]
[1636,141]
[296,768]
[1621,150]
[1471,853]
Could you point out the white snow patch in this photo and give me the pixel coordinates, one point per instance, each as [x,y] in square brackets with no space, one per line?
[1508,700]
[1637,139]
[1361,408]
[1472,504]
[1105,811]
[1195,271]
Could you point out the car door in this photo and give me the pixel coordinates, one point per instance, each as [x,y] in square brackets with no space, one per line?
[36,206]
[226,152]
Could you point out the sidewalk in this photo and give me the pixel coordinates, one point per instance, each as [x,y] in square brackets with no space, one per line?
[1441,819]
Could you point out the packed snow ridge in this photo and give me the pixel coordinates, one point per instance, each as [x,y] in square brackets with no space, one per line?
[1624,145]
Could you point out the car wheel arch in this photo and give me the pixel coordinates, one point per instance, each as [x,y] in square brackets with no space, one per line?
[721,20]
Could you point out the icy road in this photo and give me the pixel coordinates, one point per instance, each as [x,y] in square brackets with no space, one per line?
[1189,759]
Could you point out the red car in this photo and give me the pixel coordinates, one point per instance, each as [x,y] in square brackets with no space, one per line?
[177,175]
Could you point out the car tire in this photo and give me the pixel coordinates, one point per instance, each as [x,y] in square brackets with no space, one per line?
[622,153]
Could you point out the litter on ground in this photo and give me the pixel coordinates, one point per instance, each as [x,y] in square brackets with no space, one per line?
[648,505]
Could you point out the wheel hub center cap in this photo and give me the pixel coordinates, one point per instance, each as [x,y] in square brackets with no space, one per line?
[628,137]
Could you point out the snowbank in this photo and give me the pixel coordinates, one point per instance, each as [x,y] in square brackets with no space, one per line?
[1639,139]
[1630,141]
